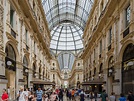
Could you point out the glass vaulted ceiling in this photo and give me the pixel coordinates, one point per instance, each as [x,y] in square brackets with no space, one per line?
[66,20]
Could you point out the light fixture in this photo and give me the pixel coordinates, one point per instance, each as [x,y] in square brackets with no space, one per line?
[99,74]
[9,63]
[110,70]
[26,70]
[35,74]
[131,63]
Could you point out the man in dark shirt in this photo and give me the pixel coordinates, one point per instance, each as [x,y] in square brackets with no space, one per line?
[104,96]
[130,96]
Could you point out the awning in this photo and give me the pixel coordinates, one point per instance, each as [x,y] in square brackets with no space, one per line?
[43,82]
[93,82]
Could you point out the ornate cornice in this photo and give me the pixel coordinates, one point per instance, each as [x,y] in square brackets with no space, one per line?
[10,37]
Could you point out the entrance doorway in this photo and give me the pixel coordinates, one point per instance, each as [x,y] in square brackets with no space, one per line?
[128,69]
[10,71]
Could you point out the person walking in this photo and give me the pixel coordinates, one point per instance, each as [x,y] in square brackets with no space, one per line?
[112,97]
[104,96]
[95,96]
[73,92]
[26,93]
[60,95]
[8,92]
[82,96]
[39,94]
[122,97]
[130,96]
[69,95]
[53,97]
[4,96]
[21,94]
[91,95]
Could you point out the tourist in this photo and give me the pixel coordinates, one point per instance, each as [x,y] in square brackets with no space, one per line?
[91,95]
[95,96]
[53,97]
[60,95]
[4,96]
[112,97]
[30,96]
[73,92]
[82,96]
[45,97]
[122,97]
[130,96]
[8,92]
[21,95]
[69,95]
[104,96]
[26,93]
[39,94]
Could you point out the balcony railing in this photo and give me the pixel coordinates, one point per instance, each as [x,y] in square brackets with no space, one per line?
[13,33]
[126,32]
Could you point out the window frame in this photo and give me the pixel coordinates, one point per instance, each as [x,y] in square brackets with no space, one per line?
[127,13]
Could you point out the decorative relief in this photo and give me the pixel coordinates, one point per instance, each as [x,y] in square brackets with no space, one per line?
[1,27]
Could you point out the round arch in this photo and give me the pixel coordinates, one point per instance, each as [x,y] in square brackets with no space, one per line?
[10,59]
[15,49]
[123,49]
[28,60]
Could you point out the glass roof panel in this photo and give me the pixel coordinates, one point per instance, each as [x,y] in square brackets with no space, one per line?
[67,20]
[66,60]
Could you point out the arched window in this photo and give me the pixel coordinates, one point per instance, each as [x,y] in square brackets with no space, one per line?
[10,52]
[25,66]
[128,69]
[25,62]
[10,59]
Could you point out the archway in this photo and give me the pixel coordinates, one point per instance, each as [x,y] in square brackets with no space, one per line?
[25,71]
[10,71]
[128,69]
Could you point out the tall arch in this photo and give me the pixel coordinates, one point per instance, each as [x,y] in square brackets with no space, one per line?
[10,59]
[128,68]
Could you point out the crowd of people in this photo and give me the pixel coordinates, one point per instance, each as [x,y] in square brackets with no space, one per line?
[57,95]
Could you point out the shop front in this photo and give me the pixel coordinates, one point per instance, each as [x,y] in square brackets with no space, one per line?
[128,69]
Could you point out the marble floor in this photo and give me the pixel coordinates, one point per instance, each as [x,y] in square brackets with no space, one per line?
[77,99]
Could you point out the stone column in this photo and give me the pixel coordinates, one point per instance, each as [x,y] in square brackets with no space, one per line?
[19,75]
[117,83]
[3,80]
[30,78]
